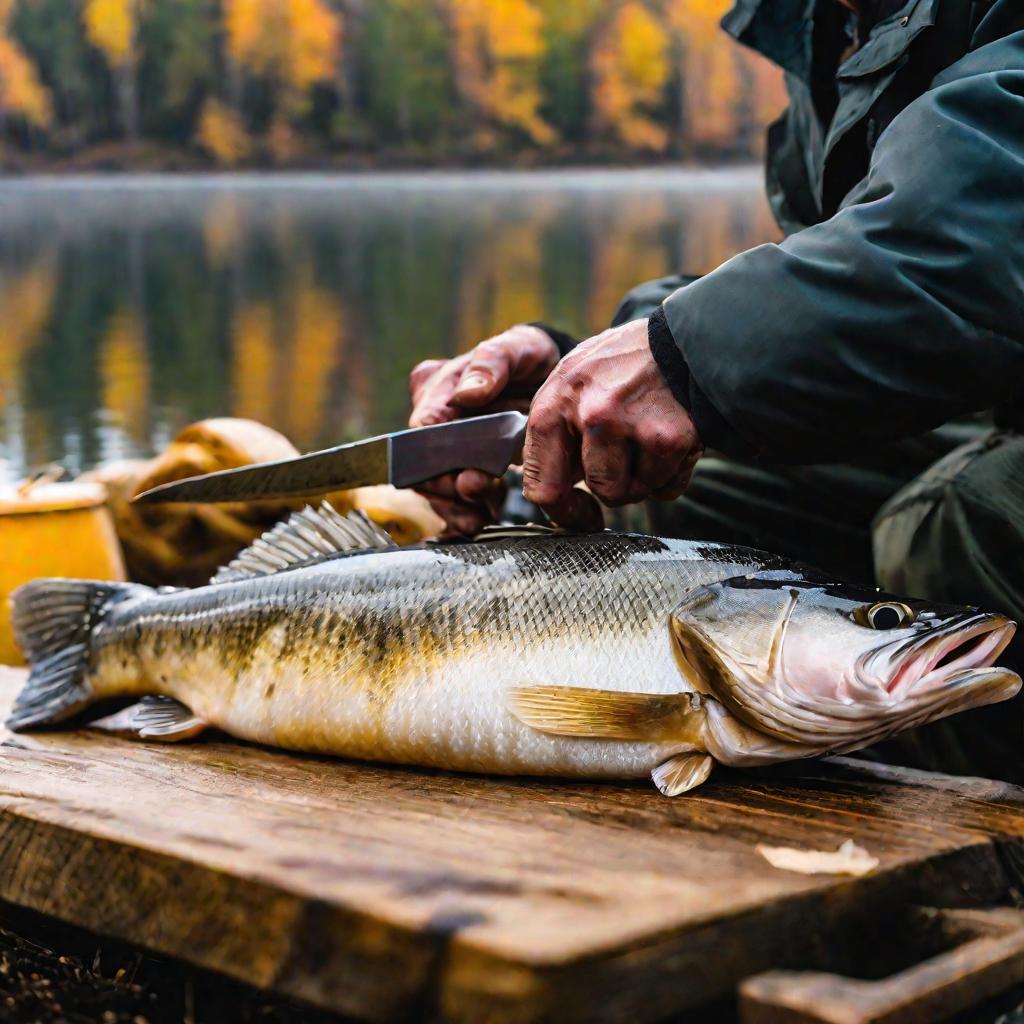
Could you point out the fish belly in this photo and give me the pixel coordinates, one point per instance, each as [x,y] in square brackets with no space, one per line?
[450,713]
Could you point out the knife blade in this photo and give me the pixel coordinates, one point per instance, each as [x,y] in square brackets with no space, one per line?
[403,458]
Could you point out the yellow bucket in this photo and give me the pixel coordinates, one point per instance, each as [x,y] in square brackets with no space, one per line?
[52,529]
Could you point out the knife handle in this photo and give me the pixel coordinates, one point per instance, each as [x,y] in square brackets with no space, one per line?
[488,443]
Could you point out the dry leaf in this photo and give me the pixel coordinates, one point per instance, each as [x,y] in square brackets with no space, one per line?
[849,859]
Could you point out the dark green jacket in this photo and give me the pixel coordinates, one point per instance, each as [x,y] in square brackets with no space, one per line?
[896,303]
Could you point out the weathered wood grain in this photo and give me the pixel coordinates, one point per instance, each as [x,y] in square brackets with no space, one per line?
[382,892]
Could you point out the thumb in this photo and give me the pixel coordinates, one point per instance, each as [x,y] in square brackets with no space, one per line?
[485,377]
[580,510]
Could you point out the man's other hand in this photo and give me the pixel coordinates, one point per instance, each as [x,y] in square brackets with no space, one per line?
[501,373]
[607,416]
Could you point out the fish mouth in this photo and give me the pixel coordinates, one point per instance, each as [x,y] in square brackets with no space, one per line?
[967,646]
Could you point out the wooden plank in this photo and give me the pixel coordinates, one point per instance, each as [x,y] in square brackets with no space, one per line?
[383,892]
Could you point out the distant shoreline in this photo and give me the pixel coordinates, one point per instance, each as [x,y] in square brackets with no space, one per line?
[155,159]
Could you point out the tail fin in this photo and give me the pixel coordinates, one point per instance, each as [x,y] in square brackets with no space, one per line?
[53,623]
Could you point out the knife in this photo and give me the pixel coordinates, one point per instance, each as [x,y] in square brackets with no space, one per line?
[404,458]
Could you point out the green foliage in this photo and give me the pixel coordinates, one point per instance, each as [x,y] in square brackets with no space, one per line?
[179,65]
[406,88]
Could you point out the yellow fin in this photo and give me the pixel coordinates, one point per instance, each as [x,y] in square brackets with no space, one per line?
[608,714]
[681,773]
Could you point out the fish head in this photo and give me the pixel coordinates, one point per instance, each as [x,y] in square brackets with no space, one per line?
[832,666]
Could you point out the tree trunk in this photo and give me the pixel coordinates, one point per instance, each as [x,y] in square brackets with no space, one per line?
[128,96]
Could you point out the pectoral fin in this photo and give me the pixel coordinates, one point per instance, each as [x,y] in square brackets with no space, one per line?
[682,773]
[609,714]
[160,719]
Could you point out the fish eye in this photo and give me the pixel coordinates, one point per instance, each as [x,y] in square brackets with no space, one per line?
[885,615]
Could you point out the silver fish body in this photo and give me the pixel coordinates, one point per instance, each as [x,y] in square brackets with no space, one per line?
[540,654]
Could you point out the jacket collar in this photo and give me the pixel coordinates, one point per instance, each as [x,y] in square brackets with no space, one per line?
[781,30]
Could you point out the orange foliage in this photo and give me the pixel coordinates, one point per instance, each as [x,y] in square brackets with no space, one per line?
[713,71]
[222,134]
[497,50]
[21,92]
[630,69]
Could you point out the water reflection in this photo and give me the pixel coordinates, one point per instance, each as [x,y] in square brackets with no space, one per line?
[129,307]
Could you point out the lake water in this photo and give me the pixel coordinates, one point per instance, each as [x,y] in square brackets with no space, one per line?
[130,306]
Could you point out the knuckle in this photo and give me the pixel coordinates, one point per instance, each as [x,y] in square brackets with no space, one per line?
[490,349]
[426,366]
[599,414]
[662,441]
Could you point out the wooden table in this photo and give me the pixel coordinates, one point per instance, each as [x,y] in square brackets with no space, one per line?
[382,892]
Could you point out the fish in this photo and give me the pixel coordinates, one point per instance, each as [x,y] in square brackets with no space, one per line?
[527,651]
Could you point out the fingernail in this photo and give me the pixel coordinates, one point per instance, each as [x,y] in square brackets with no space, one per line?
[472,382]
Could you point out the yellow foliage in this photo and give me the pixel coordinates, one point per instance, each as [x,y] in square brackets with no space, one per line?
[296,43]
[315,35]
[498,46]
[630,69]
[110,25]
[222,134]
[21,92]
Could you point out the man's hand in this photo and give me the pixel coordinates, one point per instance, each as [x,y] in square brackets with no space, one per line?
[499,374]
[607,416]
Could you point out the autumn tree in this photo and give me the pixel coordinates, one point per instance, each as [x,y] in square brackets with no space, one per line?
[630,68]
[112,26]
[497,49]
[22,95]
[284,48]
[725,93]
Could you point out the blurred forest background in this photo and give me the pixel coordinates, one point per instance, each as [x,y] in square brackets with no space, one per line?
[164,84]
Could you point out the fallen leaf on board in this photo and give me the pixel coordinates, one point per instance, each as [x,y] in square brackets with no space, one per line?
[849,859]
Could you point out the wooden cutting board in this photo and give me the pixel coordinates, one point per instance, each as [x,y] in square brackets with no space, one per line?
[384,892]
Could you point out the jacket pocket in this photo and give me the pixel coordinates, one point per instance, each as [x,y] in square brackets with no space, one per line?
[870,71]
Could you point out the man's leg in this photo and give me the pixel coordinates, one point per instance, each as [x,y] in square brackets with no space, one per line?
[956,535]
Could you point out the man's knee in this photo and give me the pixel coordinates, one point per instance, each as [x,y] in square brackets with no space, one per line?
[956,533]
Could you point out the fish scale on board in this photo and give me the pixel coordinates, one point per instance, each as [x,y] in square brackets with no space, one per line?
[528,651]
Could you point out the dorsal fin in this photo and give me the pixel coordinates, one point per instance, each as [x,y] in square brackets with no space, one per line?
[307,536]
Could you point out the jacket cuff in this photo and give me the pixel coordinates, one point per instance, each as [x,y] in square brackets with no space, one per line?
[712,428]
[563,341]
[666,354]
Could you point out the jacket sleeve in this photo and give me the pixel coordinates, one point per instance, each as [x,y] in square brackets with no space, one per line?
[903,311]
[643,300]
